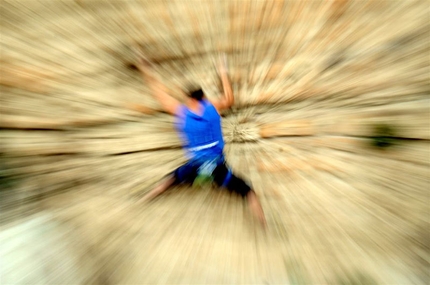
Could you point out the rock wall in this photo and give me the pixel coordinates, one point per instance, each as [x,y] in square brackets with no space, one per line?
[331,121]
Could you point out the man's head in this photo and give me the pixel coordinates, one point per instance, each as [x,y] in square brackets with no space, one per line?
[196,94]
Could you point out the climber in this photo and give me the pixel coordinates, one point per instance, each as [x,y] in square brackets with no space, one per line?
[199,125]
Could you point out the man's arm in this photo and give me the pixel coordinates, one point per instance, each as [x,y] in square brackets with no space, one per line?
[159,91]
[228,99]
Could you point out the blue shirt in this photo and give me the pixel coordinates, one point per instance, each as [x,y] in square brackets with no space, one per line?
[201,133]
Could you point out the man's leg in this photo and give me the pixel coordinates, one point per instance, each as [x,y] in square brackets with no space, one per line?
[233,183]
[255,207]
[184,174]
[159,189]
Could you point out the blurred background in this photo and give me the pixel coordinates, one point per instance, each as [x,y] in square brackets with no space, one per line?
[330,126]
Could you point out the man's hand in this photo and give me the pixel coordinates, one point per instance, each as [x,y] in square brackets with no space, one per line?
[228,99]
[145,66]
[222,64]
[158,90]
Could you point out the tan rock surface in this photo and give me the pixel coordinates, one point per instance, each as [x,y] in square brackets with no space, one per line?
[312,81]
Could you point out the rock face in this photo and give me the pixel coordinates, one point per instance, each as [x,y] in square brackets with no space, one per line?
[331,126]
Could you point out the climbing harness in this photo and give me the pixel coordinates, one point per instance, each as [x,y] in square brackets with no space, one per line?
[204,173]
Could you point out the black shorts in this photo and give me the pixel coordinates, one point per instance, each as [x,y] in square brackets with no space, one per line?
[221,175]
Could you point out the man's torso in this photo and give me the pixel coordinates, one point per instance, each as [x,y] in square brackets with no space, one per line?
[201,133]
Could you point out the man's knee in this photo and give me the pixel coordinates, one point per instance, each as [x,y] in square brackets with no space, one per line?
[184,174]
[239,186]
